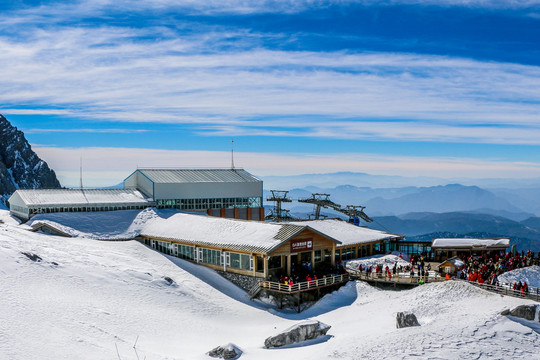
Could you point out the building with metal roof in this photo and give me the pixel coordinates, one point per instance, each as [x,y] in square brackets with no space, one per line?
[246,247]
[447,248]
[232,193]
[26,203]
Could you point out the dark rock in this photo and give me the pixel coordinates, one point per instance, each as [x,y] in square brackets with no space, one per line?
[168,280]
[32,257]
[527,312]
[306,330]
[229,351]
[20,167]
[506,312]
[404,319]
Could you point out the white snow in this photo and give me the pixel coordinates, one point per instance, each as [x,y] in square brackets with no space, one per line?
[71,197]
[121,224]
[229,233]
[530,274]
[383,260]
[87,297]
[345,232]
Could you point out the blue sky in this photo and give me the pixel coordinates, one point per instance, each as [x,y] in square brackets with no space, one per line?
[435,88]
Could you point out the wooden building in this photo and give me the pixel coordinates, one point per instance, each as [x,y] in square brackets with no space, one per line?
[260,249]
[451,266]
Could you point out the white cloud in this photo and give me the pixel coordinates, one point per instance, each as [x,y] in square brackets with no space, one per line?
[122,161]
[114,74]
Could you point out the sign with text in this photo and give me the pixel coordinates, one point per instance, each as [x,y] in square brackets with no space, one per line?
[301,245]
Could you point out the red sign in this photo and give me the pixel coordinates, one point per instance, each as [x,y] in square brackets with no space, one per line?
[301,245]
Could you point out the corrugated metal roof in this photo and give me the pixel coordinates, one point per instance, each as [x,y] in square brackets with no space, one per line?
[346,233]
[470,243]
[76,197]
[168,176]
[249,236]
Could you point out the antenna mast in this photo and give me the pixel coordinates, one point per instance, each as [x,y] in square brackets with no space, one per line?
[232,154]
[80,180]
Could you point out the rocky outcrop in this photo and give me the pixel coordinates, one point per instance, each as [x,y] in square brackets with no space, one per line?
[306,330]
[527,312]
[20,167]
[404,319]
[229,351]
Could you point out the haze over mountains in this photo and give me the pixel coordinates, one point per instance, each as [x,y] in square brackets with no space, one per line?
[440,210]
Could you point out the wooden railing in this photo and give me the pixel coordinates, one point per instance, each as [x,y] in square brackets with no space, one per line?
[506,289]
[303,286]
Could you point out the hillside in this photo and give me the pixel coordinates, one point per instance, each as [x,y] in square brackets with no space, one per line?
[84,299]
[20,167]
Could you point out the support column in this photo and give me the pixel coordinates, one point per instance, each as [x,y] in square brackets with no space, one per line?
[333,257]
[289,265]
[265,266]
[249,217]
[261,214]
[370,249]
[236,213]
[312,261]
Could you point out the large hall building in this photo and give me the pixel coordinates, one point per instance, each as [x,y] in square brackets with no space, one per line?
[231,193]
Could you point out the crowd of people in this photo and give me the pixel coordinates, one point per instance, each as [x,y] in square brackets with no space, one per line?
[487,269]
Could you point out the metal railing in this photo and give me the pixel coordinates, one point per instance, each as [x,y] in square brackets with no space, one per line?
[533,293]
[303,286]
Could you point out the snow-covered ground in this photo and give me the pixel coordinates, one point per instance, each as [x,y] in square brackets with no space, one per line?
[383,260]
[529,274]
[122,224]
[86,298]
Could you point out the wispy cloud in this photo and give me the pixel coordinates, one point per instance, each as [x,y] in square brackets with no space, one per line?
[98,131]
[222,81]
[122,161]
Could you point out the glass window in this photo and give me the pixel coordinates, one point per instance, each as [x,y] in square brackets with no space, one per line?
[274,262]
[318,255]
[235,260]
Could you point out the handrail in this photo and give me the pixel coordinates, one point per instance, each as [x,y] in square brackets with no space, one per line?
[303,286]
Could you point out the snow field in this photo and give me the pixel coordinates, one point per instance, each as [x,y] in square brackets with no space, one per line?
[102,294]
[529,274]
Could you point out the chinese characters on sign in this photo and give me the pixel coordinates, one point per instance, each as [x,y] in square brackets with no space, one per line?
[301,245]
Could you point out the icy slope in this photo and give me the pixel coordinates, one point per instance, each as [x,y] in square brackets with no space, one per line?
[85,297]
[529,274]
[122,224]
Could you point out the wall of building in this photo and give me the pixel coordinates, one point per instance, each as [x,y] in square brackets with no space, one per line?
[140,182]
[207,190]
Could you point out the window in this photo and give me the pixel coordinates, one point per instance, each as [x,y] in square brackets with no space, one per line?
[241,261]
[318,255]
[274,262]
[210,256]
[260,264]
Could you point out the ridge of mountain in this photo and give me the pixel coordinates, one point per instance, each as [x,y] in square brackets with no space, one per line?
[20,166]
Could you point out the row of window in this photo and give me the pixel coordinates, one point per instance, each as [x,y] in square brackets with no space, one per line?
[204,255]
[79,209]
[214,203]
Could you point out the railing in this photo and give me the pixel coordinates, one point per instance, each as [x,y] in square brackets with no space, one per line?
[303,286]
[506,289]
[396,278]
[254,290]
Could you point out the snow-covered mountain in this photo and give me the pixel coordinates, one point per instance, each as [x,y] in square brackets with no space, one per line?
[80,298]
[20,167]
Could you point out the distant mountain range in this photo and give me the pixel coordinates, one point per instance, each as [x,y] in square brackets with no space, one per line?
[20,167]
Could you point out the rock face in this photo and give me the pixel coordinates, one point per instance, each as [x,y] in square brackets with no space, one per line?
[404,319]
[229,351]
[527,312]
[306,330]
[20,167]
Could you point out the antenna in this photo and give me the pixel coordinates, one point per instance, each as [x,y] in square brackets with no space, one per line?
[232,154]
[81,184]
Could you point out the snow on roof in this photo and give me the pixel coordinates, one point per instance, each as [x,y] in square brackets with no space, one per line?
[346,233]
[70,197]
[225,233]
[198,175]
[456,261]
[467,243]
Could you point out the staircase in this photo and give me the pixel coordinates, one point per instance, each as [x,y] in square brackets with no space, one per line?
[255,290]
